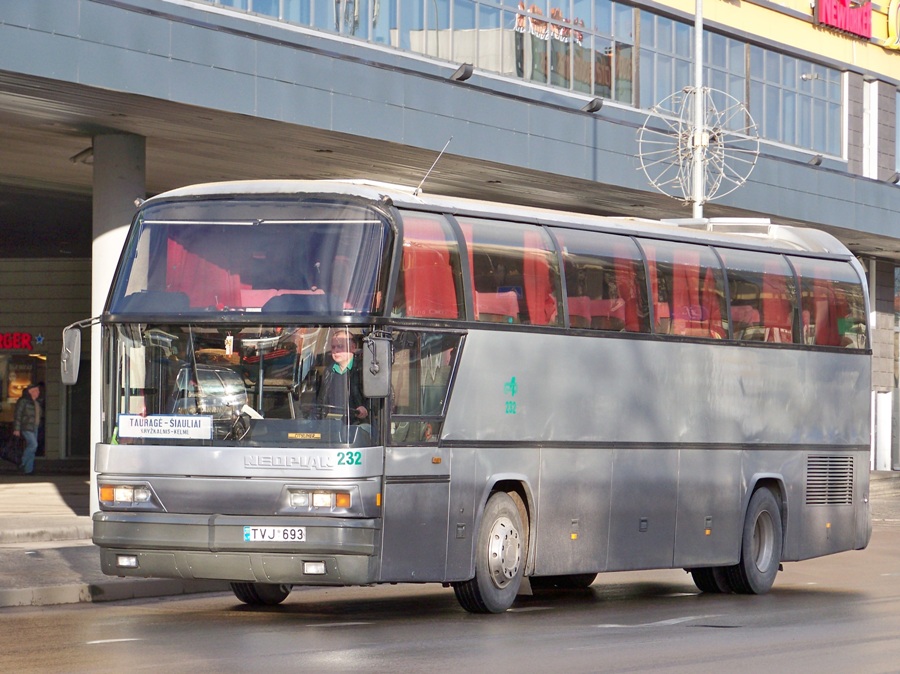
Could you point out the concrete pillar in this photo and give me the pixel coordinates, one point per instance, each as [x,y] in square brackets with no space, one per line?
[884,407]
[119,179]
[881,296]
[873,316]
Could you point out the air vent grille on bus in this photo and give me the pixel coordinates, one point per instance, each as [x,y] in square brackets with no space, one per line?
[829,480]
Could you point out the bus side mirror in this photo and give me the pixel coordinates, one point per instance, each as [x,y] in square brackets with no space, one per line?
[376,372]
[71,355]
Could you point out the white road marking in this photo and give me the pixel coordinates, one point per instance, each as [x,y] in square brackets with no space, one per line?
[110,641]
[661,623]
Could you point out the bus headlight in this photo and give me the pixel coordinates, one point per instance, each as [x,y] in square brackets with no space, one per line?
[114,495]
[299,499]
[302,498]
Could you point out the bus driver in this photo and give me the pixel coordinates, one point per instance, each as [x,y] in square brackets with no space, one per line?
[340,391]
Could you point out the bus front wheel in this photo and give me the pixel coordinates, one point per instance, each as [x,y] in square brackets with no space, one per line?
[499,559]
[760,546]
[260,594]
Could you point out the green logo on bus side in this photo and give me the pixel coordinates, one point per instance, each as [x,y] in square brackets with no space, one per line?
[510,388]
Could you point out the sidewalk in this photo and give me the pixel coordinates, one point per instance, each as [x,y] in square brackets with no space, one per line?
[46,554]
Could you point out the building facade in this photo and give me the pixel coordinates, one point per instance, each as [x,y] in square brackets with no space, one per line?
[543,103]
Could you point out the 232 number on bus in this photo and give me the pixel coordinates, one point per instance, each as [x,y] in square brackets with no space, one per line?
[349,458]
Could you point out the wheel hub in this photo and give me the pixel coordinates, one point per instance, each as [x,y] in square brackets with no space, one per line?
[763,542]
[504,552]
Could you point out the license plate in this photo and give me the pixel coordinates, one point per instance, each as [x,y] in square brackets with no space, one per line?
[274,534]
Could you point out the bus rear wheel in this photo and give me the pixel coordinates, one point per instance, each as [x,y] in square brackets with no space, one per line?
[712,579]
[260,594]
[499,559]
[760,546]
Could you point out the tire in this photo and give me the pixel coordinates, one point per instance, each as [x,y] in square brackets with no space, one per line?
[712,580]
[499,559]
[575,581]
[760,546]
[260,594]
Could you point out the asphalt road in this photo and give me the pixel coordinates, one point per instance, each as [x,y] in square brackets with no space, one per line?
[834,614]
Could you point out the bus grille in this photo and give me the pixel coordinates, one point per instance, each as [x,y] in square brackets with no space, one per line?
[829,480]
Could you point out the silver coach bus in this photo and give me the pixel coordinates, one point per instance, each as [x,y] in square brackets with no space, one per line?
[348,383]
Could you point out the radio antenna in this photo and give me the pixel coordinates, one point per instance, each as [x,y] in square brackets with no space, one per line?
[428,173]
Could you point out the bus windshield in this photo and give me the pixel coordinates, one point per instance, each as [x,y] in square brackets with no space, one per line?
[240,385]
[313,257]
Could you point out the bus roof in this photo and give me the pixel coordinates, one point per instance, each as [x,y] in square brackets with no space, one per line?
[738,232]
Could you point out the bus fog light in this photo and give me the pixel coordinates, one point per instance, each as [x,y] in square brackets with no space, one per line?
[314,568]
[322,499]
[299,499]
[126,561]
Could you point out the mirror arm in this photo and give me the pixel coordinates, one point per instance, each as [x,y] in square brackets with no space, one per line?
[83,323]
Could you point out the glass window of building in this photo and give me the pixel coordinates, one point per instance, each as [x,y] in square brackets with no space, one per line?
[589,46]
[725,70]
[17,370]
[665,57]
[796,102]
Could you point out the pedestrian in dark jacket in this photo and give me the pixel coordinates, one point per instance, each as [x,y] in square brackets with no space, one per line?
[26,422]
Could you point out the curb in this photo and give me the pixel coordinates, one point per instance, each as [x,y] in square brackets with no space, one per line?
[883,483]
[67,532]
[112,590]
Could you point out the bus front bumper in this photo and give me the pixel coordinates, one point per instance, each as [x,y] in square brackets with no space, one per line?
[336,551]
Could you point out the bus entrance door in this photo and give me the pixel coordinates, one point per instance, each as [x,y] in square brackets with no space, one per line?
[415,511]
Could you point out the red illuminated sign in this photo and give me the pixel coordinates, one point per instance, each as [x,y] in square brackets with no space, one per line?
[15,340]
[854,18]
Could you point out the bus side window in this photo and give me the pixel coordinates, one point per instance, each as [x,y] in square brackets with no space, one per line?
[832,304]
[778,301]
[659,294]
[605,283]
[763,296]
[515,277]
[420,380]
[631,285]
[430,285]
[687,289]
